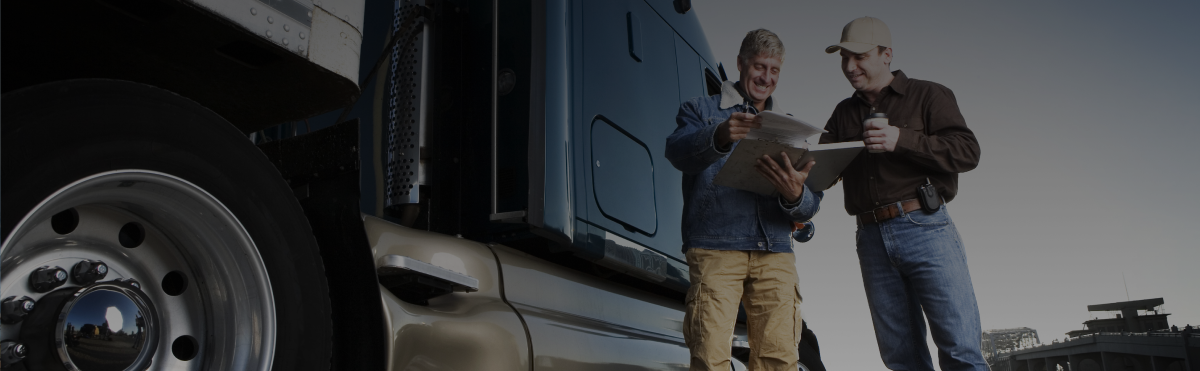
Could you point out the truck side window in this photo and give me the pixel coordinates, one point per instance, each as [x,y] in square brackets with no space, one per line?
[712,82]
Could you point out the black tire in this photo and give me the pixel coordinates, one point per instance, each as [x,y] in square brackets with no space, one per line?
[57,133]
[809,350]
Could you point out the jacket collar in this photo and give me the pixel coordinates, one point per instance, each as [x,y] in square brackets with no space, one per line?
[732,95]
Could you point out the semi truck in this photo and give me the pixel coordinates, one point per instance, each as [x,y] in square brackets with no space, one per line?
[346,184]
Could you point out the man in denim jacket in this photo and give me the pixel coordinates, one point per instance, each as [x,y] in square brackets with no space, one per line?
[738,243]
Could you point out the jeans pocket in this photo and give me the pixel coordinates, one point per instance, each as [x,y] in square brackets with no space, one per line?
[692,320]
[921,218]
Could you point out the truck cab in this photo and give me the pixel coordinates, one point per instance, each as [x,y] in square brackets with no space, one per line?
[347,184]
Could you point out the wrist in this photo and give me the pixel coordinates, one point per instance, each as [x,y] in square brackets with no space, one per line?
[788,204]
[719,142]
[794,202]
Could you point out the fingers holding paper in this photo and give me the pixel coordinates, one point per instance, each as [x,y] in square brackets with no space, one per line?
[787,180]
[736,128]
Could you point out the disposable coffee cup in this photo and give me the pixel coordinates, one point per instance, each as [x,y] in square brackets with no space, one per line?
[879,117]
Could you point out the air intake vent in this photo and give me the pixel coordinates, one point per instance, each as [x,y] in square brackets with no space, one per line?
[407,81]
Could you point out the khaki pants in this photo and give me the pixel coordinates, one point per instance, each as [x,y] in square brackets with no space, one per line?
[766,282]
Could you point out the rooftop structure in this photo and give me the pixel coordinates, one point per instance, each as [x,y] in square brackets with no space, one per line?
[1135,316]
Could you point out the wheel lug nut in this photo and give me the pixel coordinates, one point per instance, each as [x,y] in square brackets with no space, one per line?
[89,271]
[14,310]
[45,278]
[11,352]
[131,282]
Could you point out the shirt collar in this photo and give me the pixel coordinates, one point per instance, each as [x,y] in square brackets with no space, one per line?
[731,95]
[899,84]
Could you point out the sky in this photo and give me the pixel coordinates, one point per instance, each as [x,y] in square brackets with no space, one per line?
[1086,114]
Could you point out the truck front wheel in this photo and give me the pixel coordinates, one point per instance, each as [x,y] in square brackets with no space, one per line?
[150,233]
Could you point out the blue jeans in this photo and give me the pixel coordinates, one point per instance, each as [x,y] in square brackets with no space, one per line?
[914,262]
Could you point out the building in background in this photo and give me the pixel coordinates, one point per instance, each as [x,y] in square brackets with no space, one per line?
[1137,338]
[1001,342]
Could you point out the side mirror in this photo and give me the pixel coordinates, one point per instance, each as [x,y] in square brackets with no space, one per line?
[683,6]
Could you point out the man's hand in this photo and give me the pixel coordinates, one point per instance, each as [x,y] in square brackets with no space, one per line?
[789,182]
[735,128]
[880,136]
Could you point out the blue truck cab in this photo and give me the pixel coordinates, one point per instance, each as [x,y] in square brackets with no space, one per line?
[347,184]
[600,186]
[586,93]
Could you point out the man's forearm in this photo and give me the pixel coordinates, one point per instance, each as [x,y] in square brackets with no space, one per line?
[691,149]
[956,152]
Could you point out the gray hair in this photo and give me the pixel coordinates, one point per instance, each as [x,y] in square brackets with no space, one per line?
[760,42]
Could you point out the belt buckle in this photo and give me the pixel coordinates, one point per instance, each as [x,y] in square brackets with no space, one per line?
[874,217]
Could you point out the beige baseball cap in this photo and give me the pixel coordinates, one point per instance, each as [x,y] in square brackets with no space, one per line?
[861,35]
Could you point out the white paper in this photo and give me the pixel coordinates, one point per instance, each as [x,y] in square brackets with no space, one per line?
[780,128]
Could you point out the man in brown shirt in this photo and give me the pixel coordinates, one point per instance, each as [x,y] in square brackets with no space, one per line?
[911,255]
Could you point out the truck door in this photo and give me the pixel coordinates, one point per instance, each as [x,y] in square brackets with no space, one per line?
[630,98]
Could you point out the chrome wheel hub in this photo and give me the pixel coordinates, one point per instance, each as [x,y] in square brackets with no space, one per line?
[135,270]
[104,326]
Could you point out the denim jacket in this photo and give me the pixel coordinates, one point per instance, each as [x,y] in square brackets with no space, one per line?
[722,218]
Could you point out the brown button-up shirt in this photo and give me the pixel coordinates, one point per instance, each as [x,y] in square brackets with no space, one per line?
[934,143]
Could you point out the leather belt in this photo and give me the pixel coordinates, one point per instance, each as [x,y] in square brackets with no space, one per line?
[889,211]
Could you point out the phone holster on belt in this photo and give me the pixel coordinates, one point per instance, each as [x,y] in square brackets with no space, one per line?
[928,196]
